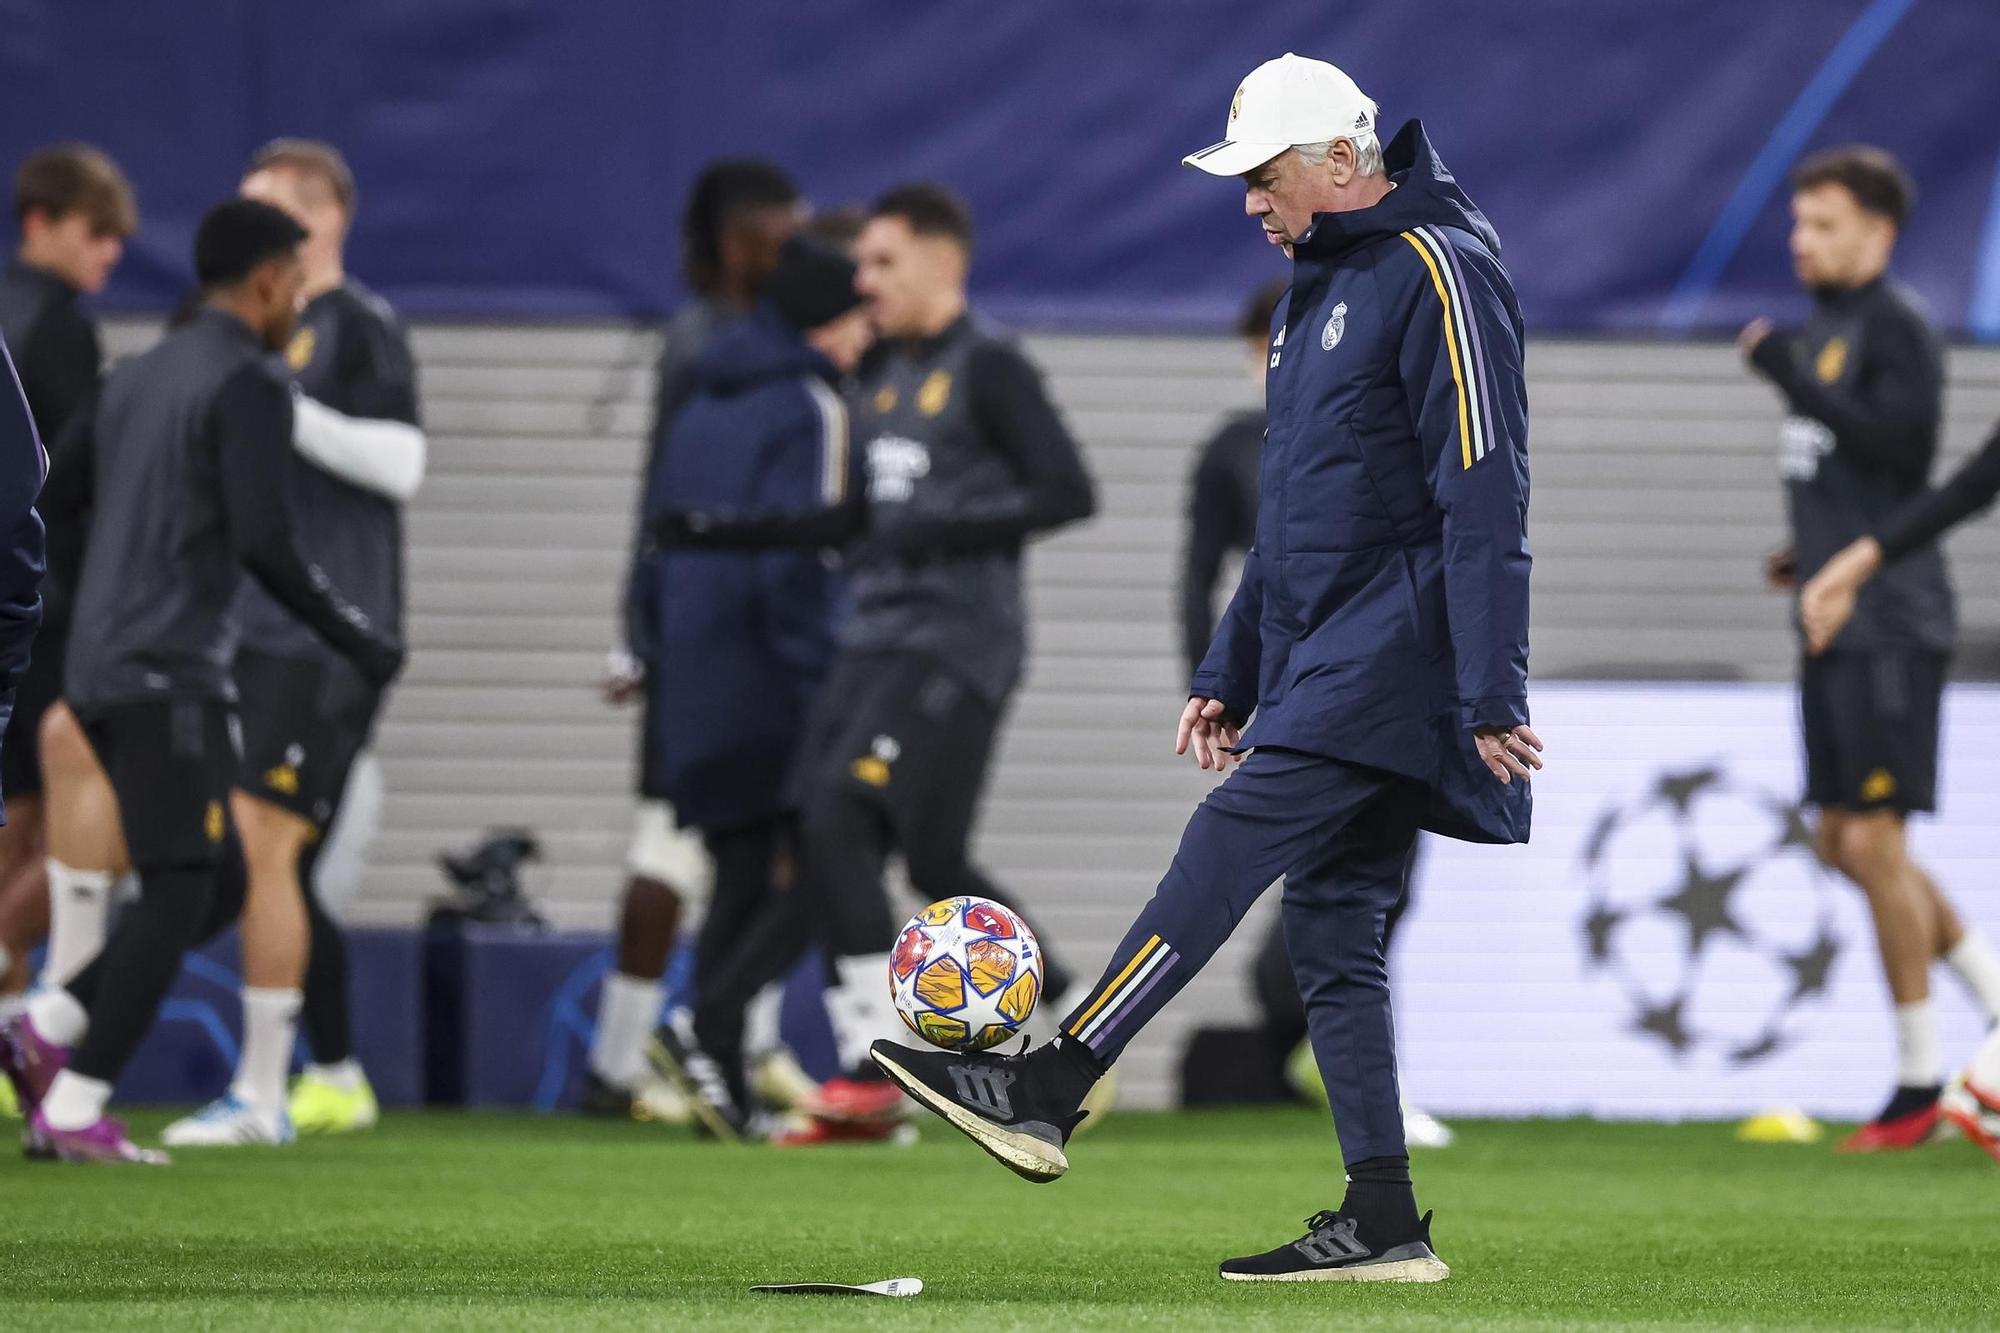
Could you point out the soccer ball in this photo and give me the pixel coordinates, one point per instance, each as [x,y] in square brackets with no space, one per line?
[965,974]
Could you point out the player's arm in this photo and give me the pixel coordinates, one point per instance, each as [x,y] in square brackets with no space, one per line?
[1462,375]
[376,442]
[1208,525]
[23,465]
[1887,414]
[378,454]
[1052,486]
[820,502]
[251,411]
[1828,601]
[808,469]
[1969,491]
[673,383]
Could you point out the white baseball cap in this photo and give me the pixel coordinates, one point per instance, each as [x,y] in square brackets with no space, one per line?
[1287,101]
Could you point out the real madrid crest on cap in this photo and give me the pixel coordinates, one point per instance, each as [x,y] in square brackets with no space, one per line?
[1336,324]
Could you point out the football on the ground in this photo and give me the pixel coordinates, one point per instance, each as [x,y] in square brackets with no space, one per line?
[966,973]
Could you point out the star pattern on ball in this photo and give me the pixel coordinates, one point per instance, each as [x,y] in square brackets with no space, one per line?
[1666,1021]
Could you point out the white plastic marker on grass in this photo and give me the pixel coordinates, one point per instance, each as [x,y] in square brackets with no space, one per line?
[895,1286]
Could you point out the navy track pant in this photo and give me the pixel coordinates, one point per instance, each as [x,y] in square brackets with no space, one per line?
[1342,838]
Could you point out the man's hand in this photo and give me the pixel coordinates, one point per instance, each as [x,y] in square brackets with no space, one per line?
[1509,752]
[1827,603]
[1206,723]
[1755,332]
[623,680]
[1781,569]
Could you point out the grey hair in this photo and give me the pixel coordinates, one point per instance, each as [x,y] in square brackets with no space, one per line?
[1367,153]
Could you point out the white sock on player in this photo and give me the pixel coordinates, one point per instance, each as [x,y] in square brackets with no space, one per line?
[58,1016]
[79,907]
[761,1021]
[859,1006]
[1919,1049]
[347,1075]
[270,1025]
[1973,959]
[1984,1072]
[75,1102]
[628,1009]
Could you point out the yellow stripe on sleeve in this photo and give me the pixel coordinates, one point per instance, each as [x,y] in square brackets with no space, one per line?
[1451,347]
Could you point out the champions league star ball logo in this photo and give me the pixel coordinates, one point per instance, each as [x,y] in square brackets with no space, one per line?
[1709,912]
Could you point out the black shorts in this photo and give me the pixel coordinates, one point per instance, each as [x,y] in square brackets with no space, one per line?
[170,762]
[1871,729]
[905,733]
[34,694]
[304,724]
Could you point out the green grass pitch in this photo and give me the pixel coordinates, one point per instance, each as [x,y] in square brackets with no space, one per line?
[514,1221]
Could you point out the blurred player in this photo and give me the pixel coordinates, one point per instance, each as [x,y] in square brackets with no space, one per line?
[744,638]
[358,457]
[75,211]
[183,468]
[966,461]
[739,215]
[1863,380]
[1379,633]
[1827,603]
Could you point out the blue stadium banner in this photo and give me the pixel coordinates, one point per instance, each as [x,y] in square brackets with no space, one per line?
[527,160]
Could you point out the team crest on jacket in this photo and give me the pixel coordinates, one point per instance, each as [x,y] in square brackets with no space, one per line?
[1336,324]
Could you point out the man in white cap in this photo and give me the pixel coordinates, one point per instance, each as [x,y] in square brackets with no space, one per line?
[1379,636]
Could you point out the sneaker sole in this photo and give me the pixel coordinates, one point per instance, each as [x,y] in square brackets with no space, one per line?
[1023,1154]
[1400,1270]
[707,1116]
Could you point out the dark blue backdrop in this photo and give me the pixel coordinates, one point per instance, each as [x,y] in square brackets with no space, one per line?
[525,158]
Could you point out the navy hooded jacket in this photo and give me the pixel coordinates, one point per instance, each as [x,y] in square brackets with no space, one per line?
[1383,612]
[742,638]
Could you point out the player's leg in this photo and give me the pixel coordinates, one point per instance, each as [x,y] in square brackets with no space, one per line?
[1336,912]
[664,861]
[170,765]
[24,895]
[274,941]
[24,886]
[86,845]
[1972,1101]
[947,738]
[702,1054]
[332,1095]
[1263,821]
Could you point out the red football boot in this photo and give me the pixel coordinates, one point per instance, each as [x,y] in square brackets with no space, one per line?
[1897,1133]
[851,1101]
[1976,1112]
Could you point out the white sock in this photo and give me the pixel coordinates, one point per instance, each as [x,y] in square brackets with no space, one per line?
[347,1075]
[74,1101]
[58,1016]
[79,906]
[628,1009]
[1985,1070]
[1919,1050]
[761,1021]
[1979,968]
[860,1008]
[270,1024]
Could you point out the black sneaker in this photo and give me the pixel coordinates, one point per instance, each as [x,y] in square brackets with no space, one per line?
[718,1110]
[1000,1102]
[1338,1248]
[606,1100]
